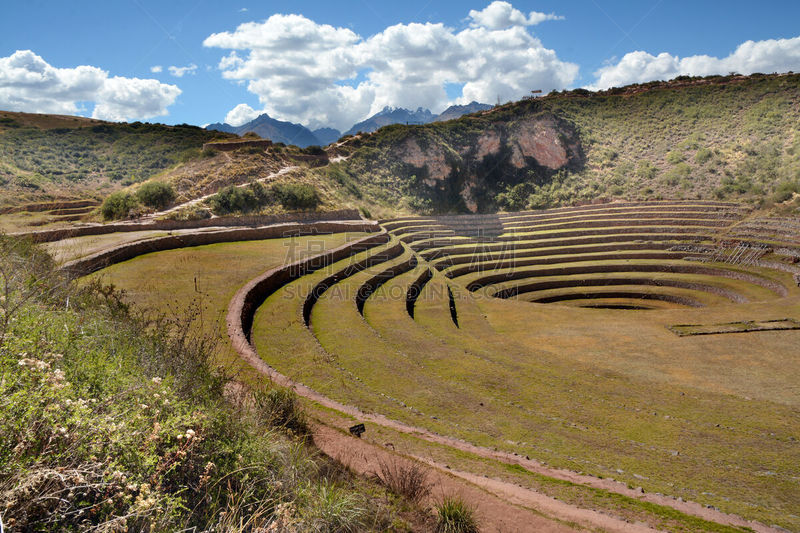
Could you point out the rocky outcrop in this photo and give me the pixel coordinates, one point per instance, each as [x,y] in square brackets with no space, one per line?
[546,141]
[432,160]
[465,171]
[488,144]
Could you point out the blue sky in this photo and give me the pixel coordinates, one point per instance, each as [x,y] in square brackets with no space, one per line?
[351,64]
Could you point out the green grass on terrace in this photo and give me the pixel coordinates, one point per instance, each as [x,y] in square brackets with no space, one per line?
[205,278]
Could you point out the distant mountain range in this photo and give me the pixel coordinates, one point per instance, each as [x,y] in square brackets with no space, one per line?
[299,135]
[392,115]
[276,130]
[327,136]
[456,111]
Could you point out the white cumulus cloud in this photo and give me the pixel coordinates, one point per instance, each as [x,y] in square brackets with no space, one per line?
[499,15]
[321,75]
[241,114]
[155,69]
[772,55]
[125,98]
[180,72]
[28,83]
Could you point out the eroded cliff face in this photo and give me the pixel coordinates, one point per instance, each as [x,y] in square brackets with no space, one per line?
[431,159]
[465,172]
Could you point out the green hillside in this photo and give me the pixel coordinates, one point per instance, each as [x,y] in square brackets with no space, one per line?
[47,157]
[719,137]
[731,138]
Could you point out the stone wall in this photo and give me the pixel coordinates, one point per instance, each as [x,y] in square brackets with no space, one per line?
[169,225]
[94,262]
[47,206]
[244,304]
[229,146]
[521,274]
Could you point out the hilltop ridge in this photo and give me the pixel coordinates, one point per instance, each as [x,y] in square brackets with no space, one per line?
[718,138]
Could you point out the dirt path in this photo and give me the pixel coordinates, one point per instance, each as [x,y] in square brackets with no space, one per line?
[344,447]
[153,216]
[499,505]
[494,513]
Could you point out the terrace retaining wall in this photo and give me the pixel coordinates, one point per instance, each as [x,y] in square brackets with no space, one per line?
[768,284]
[354,268]
[415,289]
[672,298]
[479,256]
[513,292]
[169,225]
[94,262]
[371,285]
[489,266]
[435,250]
[242,308]
[229,146]
[47,206]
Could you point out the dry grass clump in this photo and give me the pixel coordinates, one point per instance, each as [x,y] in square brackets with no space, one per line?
[404,478]
[455,516]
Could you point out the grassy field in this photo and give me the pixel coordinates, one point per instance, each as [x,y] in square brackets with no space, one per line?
[76,247]
[597,391]
[203,279]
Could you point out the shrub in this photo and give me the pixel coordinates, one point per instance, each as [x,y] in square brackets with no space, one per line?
[251,150]
[702,156]
[280,408]
[455,516]
[190,212]
[156,194]
[314,150]
[409,480]
[514,198]
[117,205]
[126,426]
[645,170]
[234,199]
[296,195]
[785,190]
[676,174]
[673,158]
[209,152]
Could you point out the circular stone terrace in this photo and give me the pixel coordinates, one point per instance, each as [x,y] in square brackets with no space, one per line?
[651,342]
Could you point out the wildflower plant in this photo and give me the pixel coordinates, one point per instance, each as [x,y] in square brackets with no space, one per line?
[116,423]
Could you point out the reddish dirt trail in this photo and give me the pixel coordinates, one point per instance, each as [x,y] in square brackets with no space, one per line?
[494,513]
[347,449]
